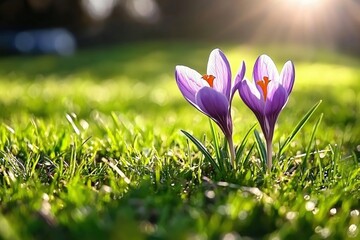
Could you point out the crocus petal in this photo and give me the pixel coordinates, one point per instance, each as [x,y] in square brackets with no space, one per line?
[274,104]
[238,79]
[219,67]
[265,67]
[287,76]
[276,100]
[212,103]
[216,106]
[251,97]
[189,82]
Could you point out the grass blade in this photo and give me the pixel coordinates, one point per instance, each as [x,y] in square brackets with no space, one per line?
[298,127]
[201,148]
[221,154]
[216,141]
[241,147]
[311,140]
[246,159]
[261,148]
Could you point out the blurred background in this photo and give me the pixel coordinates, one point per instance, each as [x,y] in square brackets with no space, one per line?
[62,26]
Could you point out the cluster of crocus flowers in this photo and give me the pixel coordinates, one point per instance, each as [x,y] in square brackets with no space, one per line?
[212,93]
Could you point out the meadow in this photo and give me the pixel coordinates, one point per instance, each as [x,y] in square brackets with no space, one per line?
[91,148]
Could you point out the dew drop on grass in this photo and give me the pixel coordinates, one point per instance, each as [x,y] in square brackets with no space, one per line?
[291,215]
[333,211]
[210,194]
[169,153]
[355,213]
[353,231]
[45,197]
[307,197]
[310,206]
[323,232]
[106,189]
[230,236]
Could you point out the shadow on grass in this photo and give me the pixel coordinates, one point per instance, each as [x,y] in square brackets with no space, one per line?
[146,61]
[142,61]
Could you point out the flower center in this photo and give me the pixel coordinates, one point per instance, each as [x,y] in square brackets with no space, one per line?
[209,79]
[264,84]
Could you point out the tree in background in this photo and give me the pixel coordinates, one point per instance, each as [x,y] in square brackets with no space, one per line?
[327,23]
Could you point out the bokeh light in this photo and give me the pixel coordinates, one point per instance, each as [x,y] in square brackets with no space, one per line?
[144,10]
[58,41]
[98,9]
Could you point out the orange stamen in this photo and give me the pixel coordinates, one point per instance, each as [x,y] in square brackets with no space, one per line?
[209,79]
[264,84]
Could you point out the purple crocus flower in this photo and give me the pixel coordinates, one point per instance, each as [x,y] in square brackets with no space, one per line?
[212,92]
[267,95]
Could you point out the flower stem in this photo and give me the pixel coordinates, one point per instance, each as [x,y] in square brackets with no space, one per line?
[232,151]
[269,154]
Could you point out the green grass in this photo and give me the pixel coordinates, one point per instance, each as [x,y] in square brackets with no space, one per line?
[91,148]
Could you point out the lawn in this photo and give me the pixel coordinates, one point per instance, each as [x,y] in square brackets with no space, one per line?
[91,148]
